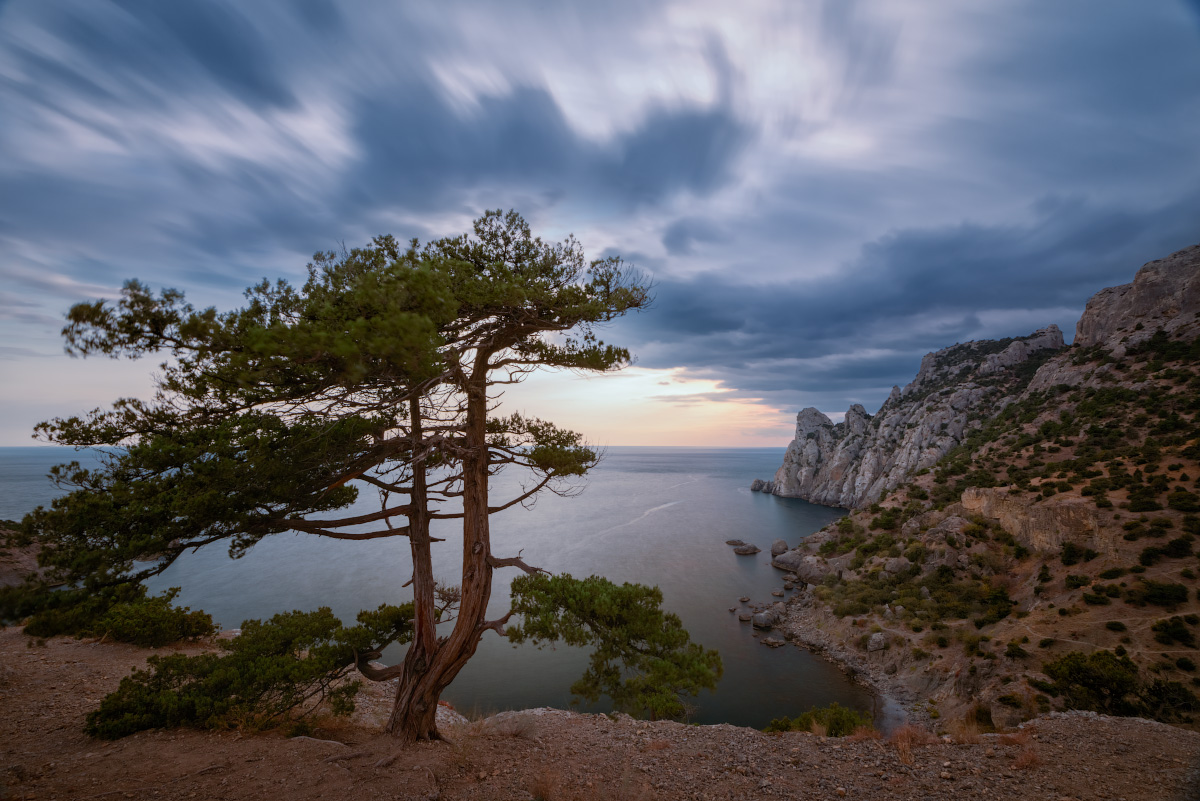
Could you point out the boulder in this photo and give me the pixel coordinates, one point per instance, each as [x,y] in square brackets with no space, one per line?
[777,593]
[746,550]
[735,543]
[763,620]
[897,565]
[877,641]
[778,547]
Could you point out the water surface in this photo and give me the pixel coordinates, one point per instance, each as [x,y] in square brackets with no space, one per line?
[652,515]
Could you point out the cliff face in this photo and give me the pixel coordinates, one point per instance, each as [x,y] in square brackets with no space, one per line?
[854,462]
[1165,294]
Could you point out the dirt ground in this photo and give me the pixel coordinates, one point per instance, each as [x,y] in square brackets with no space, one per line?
[47,690]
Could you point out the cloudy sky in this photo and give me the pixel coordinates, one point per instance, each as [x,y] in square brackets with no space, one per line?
[822,191]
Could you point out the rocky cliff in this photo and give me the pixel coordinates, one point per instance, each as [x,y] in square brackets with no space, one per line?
[1064,524]
[857,460]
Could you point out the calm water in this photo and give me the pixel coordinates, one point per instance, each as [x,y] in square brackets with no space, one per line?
[651,515]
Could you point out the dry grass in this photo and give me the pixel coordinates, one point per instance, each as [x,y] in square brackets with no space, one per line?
[818,729]
[1018,737]
[1026,759]
[864,733]
[965,730]
[906,738]
[544,786]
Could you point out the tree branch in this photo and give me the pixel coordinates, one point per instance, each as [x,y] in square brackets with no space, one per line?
[514,561]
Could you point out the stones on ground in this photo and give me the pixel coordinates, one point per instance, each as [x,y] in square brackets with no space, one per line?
[746,550]
[778,547]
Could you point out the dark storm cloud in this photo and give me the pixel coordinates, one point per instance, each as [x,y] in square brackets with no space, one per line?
[218,39]
[419,149]
[908,293]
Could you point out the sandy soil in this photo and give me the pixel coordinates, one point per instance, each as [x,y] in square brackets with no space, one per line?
[46,691]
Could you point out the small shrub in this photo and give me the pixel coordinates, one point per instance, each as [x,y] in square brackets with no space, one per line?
[1157,593]
[1173,631]
[837,720]
[270,671]
[1115,625]
[907,737]
[1026,759]
[1015,651]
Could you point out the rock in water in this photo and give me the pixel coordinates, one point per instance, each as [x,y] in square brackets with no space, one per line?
[734,542]
[746,550]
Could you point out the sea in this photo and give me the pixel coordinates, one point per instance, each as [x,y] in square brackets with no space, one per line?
[655,515]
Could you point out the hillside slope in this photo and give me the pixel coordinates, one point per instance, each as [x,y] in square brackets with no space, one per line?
[1054,541]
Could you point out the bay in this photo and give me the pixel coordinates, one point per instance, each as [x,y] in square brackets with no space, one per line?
[645,514]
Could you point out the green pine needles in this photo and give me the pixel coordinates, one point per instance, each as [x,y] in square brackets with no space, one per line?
[642,657]
[275,671]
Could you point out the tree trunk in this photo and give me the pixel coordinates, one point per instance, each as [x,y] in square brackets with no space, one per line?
[429,670]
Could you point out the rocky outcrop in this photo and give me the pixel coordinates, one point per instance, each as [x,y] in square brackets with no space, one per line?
[1045,526]
[1165,294]
[856,461]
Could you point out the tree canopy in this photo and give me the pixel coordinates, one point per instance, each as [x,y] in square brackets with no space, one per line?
[377,375]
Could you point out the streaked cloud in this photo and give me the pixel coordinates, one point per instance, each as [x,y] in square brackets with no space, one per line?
[824,190]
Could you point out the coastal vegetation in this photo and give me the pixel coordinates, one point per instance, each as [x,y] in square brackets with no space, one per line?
[1068,518]
[834,720]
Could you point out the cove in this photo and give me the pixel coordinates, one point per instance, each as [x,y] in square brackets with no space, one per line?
[645,514]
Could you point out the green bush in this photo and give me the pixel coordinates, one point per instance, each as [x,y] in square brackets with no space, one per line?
[837,720]
[1183,500]
[271,671]
[153,622]
[122,612]
[1100,681]
[1075,582]
[1015,651]
[1115,625]
[1173,630]
[1156,593]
